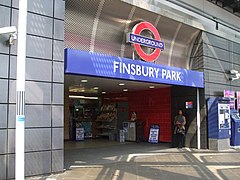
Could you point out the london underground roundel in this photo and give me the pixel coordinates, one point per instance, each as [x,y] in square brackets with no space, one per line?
[138,40]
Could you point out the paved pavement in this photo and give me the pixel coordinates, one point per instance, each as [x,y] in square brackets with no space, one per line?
[147,161]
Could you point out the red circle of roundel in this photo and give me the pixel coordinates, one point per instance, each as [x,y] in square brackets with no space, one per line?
[138,29]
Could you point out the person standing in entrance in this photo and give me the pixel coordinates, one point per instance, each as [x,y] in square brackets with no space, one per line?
[179,130]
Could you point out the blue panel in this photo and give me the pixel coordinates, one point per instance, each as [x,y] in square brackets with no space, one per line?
[214,130]
[212,118]
[235,122]
[95,64]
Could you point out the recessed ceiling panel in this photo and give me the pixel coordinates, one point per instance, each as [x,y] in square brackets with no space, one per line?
[96,85]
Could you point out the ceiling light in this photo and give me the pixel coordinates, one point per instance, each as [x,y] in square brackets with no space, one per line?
[151,87]
[84,80]
[96,88]
[121,84]
[73,90]
[76,89]
[125,90]
[103,92]
[82,97]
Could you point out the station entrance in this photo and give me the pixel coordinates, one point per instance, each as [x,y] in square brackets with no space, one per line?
[100,108]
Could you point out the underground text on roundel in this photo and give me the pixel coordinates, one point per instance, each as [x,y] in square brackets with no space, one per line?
[146,71]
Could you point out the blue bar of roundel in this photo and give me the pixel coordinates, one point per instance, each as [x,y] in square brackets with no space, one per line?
[145,44]
[102,65]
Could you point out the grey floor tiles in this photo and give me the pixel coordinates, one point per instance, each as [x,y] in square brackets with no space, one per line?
[103,159]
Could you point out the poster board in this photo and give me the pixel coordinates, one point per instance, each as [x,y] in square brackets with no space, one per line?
[188,104]
[238,99]
[230,94]
[79,134]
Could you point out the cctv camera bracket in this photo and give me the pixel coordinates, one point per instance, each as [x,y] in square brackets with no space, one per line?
[11,31]
[234,77]
[8,30]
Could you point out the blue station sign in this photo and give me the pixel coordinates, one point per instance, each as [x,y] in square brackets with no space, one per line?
[102,65]
[138,40]
[145,41]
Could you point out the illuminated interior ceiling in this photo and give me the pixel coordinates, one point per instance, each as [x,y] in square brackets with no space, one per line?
[230,5]
[95,86]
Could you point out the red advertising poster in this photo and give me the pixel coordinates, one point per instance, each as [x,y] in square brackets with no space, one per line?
[230,94]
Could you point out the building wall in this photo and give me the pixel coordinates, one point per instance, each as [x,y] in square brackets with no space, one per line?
[197,63]
[105,30]
[101,26]
[215,56]
[152,106]
[211,10]
[44,88]
[220,56]
[200,14]
[45,70]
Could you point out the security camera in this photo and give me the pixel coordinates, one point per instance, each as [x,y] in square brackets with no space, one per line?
[8,30]
[234,77]
[12,31]
[233,71]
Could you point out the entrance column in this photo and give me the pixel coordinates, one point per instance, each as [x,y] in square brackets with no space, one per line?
[66,113]
[198,121]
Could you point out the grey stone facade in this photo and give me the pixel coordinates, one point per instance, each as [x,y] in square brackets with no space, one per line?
[215,56]
[212,54]
[44,88]
[220,55]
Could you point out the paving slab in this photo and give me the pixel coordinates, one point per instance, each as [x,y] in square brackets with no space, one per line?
[146,161]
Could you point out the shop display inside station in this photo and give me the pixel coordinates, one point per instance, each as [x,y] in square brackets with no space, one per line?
[91,119]
[82,114]
[115,117]
[106,122]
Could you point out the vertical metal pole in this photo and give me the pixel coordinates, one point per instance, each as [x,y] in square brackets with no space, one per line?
[20,92]
[198,122]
